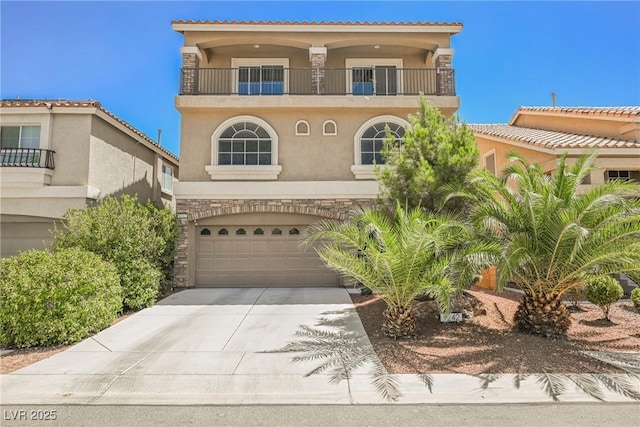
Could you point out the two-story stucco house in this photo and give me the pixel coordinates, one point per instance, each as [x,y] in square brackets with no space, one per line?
[281,123]
[57,155]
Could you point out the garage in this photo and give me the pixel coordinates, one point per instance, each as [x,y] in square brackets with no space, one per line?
[262,254]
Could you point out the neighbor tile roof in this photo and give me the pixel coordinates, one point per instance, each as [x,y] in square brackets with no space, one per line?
[550,139]
[628,111]
[65,103]
[363,23]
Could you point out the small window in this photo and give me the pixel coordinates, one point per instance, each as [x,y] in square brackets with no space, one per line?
[223,232]
[490,162]
[294,231]
[258,232]
[205,232]
[302,127]
[20,137]
[167,177]
[372,141]
[241,232]
[618,175]
[276,231]
[330,128]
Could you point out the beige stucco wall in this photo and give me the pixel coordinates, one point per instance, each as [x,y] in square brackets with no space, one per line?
[573,123]
[485,145]
[303,158]
[70,140]
[21,233]
[112,159]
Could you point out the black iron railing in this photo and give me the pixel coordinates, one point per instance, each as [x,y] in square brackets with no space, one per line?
[27,158]
[379,81]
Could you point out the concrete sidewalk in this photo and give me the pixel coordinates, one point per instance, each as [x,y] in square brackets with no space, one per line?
[213,346]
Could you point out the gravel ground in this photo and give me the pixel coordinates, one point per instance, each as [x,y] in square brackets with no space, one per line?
[488,343]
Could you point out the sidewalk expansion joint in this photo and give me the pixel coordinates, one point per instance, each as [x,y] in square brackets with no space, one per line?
[108,386]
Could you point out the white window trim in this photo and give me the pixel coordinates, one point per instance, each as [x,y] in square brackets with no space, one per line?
[495,160]
[302,133]
[236,63]
[243,172]
[351,63]
[359,170]
[324,127]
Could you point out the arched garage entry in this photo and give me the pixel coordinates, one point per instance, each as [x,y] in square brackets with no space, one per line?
[258,249]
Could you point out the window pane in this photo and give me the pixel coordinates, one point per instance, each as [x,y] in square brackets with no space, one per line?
[366,146]
[251,159]
[262,133]
[367,158]
[252,146]
[224,159]
[265,146]
[238,146]
[225,146]
[379,159]
[265,159]
[10,137]
[237,159]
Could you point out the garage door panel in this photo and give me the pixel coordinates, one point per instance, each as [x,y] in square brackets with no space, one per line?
[259,259]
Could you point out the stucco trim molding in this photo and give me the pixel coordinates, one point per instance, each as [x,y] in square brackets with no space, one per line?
[442,51]
[289,190]
[191,49]
[244,173]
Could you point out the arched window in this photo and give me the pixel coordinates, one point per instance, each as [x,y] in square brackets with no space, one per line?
[294,231]
[205,232]
[258,232]
[223,232]
[371,141]
[241,232]
[276,231]
[302,127]
[244,143]
[330,128]
[244,148]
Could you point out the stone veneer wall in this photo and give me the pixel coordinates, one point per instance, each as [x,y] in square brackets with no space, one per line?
[204,208]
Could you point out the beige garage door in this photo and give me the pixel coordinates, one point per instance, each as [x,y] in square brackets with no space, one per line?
[265,255]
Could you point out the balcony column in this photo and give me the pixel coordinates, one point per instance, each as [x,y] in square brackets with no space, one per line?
[191,57]
[317,57]
[444,74]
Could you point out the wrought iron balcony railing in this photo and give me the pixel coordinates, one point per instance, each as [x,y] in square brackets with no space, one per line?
[372,81]
[27,158]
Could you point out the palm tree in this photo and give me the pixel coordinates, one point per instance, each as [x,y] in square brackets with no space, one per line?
[555,234]
[402,256]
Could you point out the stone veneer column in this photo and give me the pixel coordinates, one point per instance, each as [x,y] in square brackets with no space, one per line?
[317,57]
[444,72]
[192,210]
[190,62]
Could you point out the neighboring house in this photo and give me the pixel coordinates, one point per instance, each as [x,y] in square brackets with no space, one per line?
[281,123]
[57,155]
[543,134]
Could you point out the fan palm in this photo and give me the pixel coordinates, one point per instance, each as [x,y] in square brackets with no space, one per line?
[402,256]
[556,236]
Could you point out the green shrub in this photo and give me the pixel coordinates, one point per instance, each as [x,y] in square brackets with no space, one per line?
[603,291]
[635,297]
[56,298]
[134,237]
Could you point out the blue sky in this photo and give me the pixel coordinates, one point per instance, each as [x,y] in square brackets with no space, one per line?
[126,55]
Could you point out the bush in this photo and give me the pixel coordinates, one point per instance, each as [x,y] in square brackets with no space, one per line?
[635,297]
[603,291]
[136,238]
[56,298]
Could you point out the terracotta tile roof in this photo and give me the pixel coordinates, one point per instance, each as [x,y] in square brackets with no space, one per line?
[550,139]
[65,103]
[628,111]
[363,23]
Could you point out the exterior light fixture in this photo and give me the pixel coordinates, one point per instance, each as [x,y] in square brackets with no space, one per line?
[257,46]
[376,46]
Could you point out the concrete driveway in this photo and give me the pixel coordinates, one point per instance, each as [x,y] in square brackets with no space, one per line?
[214,346]
[197,346]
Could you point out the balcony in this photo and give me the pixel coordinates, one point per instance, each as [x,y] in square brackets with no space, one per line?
[274,81]
[27,158]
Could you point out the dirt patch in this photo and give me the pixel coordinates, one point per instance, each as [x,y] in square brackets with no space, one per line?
[488,343]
